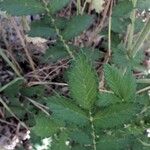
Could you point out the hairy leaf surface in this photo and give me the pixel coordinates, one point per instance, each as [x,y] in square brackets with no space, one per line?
[65,110]
[115,115]
[45,126]
[56,5]
[76,25]
[123,85]
[22,7]
[83,82]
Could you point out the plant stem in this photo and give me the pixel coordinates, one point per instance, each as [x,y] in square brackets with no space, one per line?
[84,5]
[146,81]
[78,7]
[143,90]
[57,31]
[93,131]
[109,30]
[142,37]
[9,62]
[10,111]
[131,27]
[10,83]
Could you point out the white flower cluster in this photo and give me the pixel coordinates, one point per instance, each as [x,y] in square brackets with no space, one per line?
[148,132]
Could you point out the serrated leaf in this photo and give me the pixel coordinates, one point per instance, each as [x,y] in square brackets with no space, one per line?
[45,126]
[121,58]
[32,91]
[65,110]
[56,5]
[106,99]
[76,25]
[60,142]
[80,147]
[56,53]
[122,8]
[13,88]
[22,7]
[80,137]
[41,29]
[12,83]
[123,85]
[18,111]
[113,143]
[143,4]
[92,54]
[115,115]
[119,25]
[83,82]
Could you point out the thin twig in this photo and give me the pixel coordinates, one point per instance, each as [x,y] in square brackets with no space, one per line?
[9,62]
[140,40]
[57,30]
[38,105]
[6,122]
[143,90]
[146,81]
[47,83]
[10,83]
[131,27]
[23,43]
[10,111]
[109,30]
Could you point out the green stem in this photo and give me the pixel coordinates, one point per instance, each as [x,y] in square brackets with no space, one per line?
[109,30]
[84,5]
[78,7]
[143,90]
[131,27]
[57,31]
[142,37]
[93,131]
[10,111]
[146,81]
[10,83]
[9,62]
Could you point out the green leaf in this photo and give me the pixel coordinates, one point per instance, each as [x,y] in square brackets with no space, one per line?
[123,86]
[119,25]
[80,147]
[113,143]
[56,5]
[76,25]
[12,83]
[83,82]
[45,126]
[80,137]
[115,115]
[106,99]
[139,24]
[143,4]
[41,29]
[65,110]
[121,58]
[60,142]
[92,54]
[17,110]
[56,53]
[33,91]
[22,7]
[122,8]
[12,89]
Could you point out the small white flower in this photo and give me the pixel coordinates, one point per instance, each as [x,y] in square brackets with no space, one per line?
[67,143]
[148,132]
